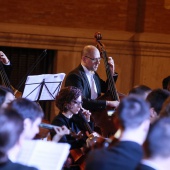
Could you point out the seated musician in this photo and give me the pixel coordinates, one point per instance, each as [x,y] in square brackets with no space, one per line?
[6,63]
[133,114]
[69,102]
[11,128]
[32,116]
[6,96]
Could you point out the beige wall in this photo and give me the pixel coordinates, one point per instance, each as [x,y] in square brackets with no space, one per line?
[139,58]
[136,33]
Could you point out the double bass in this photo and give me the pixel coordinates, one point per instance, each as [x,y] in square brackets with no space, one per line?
[104,118]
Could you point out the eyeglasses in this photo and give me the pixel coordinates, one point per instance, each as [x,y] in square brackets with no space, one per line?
[78,103]
[94,59]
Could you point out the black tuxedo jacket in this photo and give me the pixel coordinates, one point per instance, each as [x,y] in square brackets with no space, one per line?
[125,155]
[78,78]
[8,69]
[5,69]
[15,166]
[144,167]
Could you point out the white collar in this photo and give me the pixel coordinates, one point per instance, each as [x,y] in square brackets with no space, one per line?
[149,163]
[87,71]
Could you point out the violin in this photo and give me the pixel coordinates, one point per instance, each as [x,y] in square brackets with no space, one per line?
[48,127]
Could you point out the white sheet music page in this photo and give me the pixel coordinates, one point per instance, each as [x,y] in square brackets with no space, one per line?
[44,155]
[43,87]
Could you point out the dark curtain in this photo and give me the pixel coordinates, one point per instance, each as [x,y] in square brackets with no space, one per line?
[26,61]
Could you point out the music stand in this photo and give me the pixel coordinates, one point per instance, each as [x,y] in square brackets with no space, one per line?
[43,87]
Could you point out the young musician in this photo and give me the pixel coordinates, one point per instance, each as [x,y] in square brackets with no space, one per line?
[166,83]
[32,116]
[11,128]
[133,114]
[156,98]
[69,102]
[6,96]
[157,147]
[140,90]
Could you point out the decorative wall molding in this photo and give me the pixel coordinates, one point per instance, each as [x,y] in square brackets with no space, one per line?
[71,39]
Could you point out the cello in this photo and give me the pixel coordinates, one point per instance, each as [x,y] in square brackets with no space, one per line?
[107,116]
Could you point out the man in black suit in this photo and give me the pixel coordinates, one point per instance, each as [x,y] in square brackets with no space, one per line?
[80,78]
[133,114]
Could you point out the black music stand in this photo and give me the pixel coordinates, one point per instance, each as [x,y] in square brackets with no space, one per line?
[43,87]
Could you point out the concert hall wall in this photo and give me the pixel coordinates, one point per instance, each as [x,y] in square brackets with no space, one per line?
[136,33]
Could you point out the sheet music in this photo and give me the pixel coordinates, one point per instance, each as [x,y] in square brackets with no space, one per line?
[52,85]
[44,155]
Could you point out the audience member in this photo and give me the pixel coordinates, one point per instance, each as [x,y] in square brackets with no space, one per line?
[165,111]
[11,128]
[166,83]
[157,148]
[156,98]
[141,91]
[133,114]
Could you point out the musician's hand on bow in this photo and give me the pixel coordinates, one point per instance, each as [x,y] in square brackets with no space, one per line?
[112,103]
[94,134]
[3,58]
[60,132]
[111,63]
[86,113]
[92,138]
